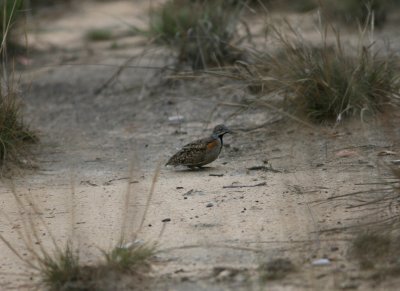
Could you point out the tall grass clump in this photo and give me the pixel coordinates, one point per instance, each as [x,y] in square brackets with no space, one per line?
[202,30]
[128,257]
[276,269]
[62,268]
[369,247]
[14,134]
[377,252]
[326,80]
[8,12]
[65,271]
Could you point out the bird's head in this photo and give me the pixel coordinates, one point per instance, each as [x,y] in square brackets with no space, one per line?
[220,130]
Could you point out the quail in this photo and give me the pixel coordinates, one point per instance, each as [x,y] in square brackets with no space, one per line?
[200,152]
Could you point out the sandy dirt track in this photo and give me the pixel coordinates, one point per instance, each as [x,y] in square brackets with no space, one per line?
[93,144]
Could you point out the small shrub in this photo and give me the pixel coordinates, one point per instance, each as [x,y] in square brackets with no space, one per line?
[326,81]
[127,258]
[276,269]
[331,84]
[8,12]
[99,35]
[202,31]
[14,134]
[62,270]
[370,247]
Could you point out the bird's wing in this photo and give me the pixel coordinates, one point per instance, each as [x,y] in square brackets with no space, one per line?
[191,154]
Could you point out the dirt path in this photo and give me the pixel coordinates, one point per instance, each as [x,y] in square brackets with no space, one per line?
[203,218]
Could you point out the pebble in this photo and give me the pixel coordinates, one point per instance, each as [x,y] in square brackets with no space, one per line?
[349,285]
[321,262]
[176,118]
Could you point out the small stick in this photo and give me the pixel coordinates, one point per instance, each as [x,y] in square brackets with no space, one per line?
[264,168]
[245,186]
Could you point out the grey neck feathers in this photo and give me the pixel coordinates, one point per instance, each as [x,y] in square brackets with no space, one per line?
[215,136]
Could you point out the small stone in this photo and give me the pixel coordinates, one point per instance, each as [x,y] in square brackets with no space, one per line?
[224,275]
[349,285]
[176,119]
[321,262]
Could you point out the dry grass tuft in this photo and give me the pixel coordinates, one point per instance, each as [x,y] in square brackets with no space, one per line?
[64,271]
[325,80]
[129,257]
[8,13]
[276,269]
[99,34]
[202,31]
[14,133]
[377,252]
[124,267]
[368,247]
[15,136]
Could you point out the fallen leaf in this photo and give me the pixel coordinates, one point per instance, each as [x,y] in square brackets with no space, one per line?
[346,153]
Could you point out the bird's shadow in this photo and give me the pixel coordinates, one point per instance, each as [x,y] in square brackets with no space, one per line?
[195,169]
[192,170]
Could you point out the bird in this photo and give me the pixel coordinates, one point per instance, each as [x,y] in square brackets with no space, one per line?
[200,152]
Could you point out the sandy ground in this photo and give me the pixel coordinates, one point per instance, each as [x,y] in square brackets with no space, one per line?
[225,217]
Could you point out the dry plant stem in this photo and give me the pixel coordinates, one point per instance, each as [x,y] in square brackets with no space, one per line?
[391,220]
[7,28]
[153,185]
[114,76]
[33,233]
[194,246]
[127,203]
[27,241]
[244,186]
[122,67]
[72,208]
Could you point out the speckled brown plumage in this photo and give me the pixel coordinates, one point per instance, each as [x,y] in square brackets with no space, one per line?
[202,151]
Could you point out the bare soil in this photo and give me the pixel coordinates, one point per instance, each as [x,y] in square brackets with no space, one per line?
[213,227]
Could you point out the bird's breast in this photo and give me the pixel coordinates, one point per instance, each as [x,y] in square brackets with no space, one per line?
[215,144]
